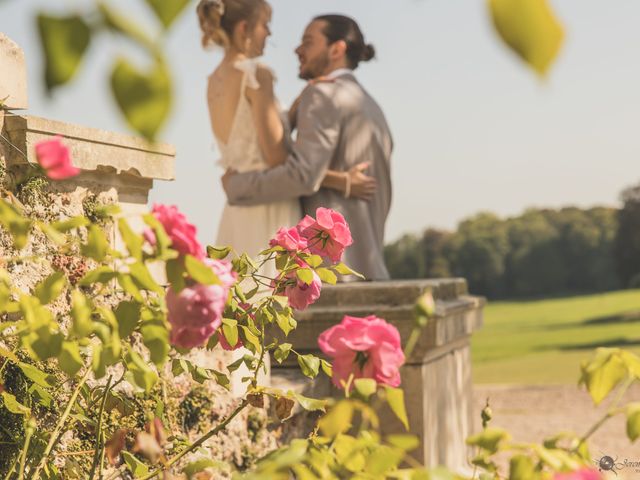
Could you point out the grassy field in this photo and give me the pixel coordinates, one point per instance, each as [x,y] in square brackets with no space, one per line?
[544,341]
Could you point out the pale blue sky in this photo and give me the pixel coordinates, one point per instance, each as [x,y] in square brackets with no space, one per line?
[474,129]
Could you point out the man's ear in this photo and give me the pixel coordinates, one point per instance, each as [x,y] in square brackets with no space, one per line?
[338,50]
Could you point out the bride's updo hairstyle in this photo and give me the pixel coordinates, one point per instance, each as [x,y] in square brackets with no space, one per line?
[346,29]
[218,18]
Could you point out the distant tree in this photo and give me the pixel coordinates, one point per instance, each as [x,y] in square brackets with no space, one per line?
[627,241]
[436,248]
[404,258]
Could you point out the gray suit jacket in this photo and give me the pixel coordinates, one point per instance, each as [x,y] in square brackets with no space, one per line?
[339,126]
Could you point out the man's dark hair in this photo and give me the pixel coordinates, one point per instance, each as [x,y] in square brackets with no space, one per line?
[340,27]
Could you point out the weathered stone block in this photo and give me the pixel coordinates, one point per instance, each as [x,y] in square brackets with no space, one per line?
[13,75]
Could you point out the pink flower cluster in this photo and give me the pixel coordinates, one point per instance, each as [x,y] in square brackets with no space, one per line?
[180,231]
[327,235]
[195,313]
[54,157]
[582,474]
[365,348]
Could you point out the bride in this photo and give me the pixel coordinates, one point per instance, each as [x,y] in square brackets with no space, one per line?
[247,125]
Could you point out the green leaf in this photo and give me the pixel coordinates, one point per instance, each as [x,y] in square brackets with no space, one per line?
[633,421]
[64,41]
[15,223]
[489,439]
[309,364]
[342,269]
[64,226]
[128,315]
[603,373]
[56,237]
[314,261]
[326,368]
[69,359]
[142,277]
[282,352]
[521,467]
[50,288]
[201,464]
[286,322]
[404,441]
[167,12]
[129,286]
[139,372]
[218,253]
[338,420]
[395,399]
[251,341]
[40,395]
[143,98]
[122,24]
[82,324]
[156,339]
[97,244]
[327,276]
[9,354]
[136,466]
[13,405]
[200,272]
[132,241]
[37,376]
[305,275]
[530,29]
[310,404]
[175,274]
[102,274]
[365,386]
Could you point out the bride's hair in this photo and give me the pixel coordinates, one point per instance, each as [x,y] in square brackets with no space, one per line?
[218,18]
[340,27]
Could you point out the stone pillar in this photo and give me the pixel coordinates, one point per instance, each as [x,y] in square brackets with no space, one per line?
[437,376]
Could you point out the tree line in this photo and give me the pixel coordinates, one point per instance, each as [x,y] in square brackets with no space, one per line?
[538,253]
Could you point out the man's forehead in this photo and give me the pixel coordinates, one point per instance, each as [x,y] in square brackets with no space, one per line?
[314,28]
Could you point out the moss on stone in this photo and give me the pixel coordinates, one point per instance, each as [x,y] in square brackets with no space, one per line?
[194,410]
[32,191]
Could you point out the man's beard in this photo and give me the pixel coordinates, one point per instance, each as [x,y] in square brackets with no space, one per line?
[316,68]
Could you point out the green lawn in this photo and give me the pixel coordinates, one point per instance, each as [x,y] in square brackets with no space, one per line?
[544,341]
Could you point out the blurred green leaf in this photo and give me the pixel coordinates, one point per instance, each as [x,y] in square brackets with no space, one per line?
[69,359]
[102,274]
[521,467]
[136,466]
[82,324]
[156,339]
[489,439]
[64,226]
[365,386]
[64,41]
[167,12]
[282,352]
[142,277]
[128,315]
[218,253]
[200,272]
[605,371]
[143,97]
[395,399]
[122,24]
[337,420]
[132,241]
[327,276]
[97,244]
[50,288]
[175,274]
[633,421]
[305,275]
[403,441]
[342,269]
[530,29]
[139,372]
[37,376]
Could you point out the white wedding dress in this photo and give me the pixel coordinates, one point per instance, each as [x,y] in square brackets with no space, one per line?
[248,229]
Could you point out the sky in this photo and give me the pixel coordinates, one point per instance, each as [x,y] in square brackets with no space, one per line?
[474,129]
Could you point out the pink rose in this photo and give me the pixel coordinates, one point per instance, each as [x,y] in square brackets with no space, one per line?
[300,294]
[180,231]
[365,347]
[328,235]
[53,156]
[582,474]
[289,239]
[195,313]
[223,270]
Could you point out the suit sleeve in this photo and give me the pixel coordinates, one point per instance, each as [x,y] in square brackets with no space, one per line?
[306,165]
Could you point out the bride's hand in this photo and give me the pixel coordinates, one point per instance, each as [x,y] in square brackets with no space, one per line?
[362,186]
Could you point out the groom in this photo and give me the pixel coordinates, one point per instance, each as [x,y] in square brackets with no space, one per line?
[339,126]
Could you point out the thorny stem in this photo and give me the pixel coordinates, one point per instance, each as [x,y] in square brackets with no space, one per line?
[221,426]
[55,434]
[100,435]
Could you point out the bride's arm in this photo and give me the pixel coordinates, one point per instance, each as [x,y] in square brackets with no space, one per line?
[352,183]
[267,119]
